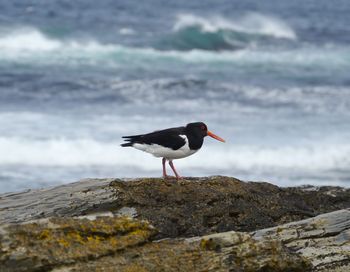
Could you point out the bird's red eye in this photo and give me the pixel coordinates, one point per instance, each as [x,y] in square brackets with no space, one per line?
[203,127]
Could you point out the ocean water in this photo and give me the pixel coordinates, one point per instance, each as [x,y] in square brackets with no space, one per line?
[270,77]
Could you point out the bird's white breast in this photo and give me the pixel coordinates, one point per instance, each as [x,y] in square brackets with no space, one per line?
[166,152]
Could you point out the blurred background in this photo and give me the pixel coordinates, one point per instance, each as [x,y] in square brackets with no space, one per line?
[270,77]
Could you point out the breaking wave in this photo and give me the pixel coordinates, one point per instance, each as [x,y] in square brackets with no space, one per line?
[252,23]
[217,33]
[31,46]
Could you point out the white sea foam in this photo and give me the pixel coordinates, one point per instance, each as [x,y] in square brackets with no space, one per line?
[27,39]
[60,152]
[126,31]
[252,23]
[87,152]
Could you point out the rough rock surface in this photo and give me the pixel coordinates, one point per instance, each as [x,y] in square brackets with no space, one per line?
[217,204]
[113,243]
[192,207]
[72,199]
[324,239]
[123,244]
[58,228]
[45,244]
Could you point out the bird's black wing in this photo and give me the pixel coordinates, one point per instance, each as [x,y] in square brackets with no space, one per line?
[168,138]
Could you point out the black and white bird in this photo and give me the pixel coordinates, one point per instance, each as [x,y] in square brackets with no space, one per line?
[172,143]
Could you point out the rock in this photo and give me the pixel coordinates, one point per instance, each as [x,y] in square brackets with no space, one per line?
[48,243]
[112,243]
[217,204]
[324,239]
[123,244]
[107,224]
[72,199]
[192,207]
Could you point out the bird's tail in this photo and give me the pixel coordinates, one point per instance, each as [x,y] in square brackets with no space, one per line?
[130,140]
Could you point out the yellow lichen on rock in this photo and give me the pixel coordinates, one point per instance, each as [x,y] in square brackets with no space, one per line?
[248,254]
[73,239]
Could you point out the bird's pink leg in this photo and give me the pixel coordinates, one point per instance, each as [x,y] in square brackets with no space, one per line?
[173,167]
[164,168]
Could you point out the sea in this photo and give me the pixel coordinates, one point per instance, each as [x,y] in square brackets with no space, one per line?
[270,77]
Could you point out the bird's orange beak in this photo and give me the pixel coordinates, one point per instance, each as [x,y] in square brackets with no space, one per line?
[211,134]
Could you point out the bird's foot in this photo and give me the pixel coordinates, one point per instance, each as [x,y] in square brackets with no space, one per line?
[168,177]
[178,178]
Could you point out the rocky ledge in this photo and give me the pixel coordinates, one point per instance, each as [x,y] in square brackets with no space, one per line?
[198,224]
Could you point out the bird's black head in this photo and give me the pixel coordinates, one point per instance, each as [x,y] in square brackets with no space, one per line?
[195,133]
[200,130]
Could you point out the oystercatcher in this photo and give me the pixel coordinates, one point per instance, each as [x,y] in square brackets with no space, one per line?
[172,143]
